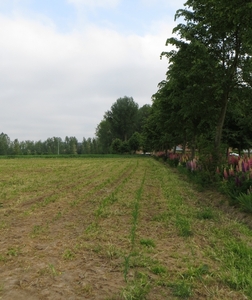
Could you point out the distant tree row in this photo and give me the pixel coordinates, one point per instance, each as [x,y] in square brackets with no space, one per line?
[120,131]
[54,145]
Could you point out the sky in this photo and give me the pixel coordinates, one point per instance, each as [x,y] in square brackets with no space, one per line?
[63,63]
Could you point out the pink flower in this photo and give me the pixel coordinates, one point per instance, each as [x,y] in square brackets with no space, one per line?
[231,171]
[225,173]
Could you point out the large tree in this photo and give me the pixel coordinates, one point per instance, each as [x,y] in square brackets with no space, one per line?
[4,144]
[104,136]
[185,94]
[164,127]
[122,118]
[217,37]
[142,115]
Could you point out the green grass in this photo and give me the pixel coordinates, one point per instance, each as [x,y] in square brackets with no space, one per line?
[13,251]
[183,225]
[148,243]
[136,289]
[68,254]
[181,289]
[206,213]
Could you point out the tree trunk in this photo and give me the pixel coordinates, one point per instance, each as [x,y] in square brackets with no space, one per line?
[228,86]
[184,144]
[219,127]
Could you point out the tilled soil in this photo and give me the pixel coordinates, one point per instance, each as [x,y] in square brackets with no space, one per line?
[69,237]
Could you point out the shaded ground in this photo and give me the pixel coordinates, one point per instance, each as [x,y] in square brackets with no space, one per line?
[83,229]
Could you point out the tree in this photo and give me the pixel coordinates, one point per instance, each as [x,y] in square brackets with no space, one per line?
[27,147]
[237,132]
[71,145]
[164,127]
[104,136]
[135,142]
[143,113]
[90,145]
[84,146]
[95,146]
[185,94]
[116,145]
[4,144]
[122,118]
[218,35]
[40,147]
[16,148]
[125,148]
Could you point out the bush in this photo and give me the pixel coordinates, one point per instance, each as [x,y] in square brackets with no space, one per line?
[245,201]
[235,185]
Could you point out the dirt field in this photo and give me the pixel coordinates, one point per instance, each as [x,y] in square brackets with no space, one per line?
[108,229]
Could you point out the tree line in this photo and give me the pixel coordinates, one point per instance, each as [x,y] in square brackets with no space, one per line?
[50,146]
[120,131]
[122,127]
[204,102]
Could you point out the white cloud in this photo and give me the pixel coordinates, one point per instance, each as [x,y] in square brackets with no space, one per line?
[164,3]
[95,3]
[54,84]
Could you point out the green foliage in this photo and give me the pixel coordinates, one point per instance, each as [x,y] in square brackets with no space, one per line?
[68,254]
[245,201]
[104,135]
[116,146]
[183,225]
[121,122]
[173,160]
[209,75]
[51,146]
[125,148]
[206,214]
[147,243]
[13,251]
[137,289]
[126,266]
[4,143]
[181,289]
[53,270]
[36,230]
[158,269]
[238,260]
[122,117]
[196,272]
[135,142]
[234,186]
[209,158]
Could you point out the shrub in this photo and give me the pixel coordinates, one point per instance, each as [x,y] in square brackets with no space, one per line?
[245,201]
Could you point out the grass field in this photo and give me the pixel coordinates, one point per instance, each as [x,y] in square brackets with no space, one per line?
[116,228]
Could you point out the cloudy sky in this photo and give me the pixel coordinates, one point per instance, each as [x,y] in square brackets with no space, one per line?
[63,63]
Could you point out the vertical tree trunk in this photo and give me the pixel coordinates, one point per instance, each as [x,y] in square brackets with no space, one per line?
[229,82]
[184,144]
[219,127]
[174,149]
